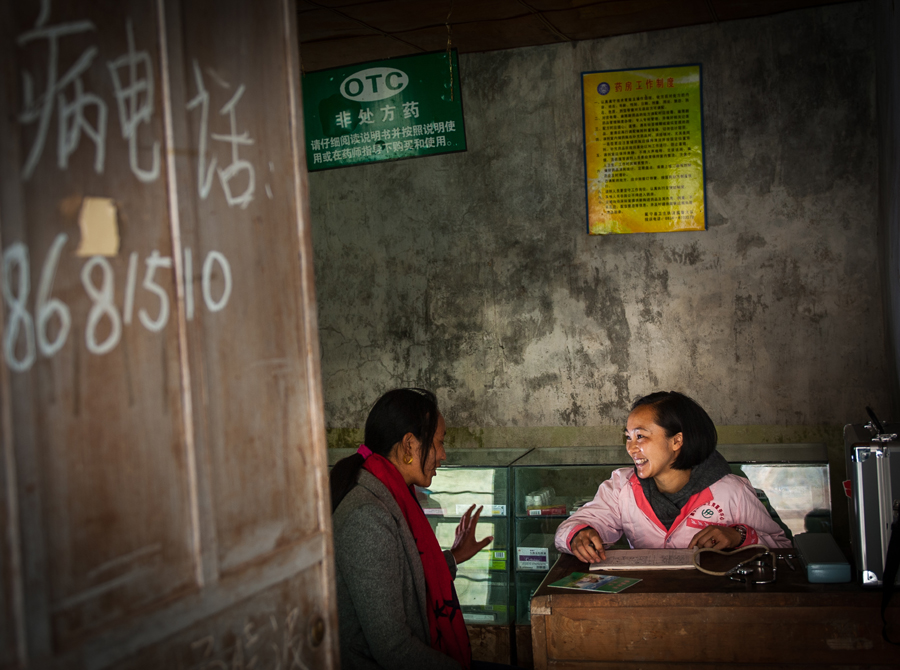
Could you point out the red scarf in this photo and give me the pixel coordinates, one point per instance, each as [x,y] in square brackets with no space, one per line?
[445,620]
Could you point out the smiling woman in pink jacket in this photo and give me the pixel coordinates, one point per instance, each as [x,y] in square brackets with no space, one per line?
[679,494]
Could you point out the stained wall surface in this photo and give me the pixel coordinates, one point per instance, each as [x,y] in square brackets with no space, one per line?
[472,274]
[888,102]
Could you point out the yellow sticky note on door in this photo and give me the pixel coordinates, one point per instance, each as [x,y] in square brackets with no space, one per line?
[99,228]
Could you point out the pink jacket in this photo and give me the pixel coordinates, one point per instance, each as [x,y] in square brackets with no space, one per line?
[621,507]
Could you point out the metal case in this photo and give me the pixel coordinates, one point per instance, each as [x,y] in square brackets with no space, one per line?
[874,471]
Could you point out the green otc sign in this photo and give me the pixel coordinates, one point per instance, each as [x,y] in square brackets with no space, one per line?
[383,110]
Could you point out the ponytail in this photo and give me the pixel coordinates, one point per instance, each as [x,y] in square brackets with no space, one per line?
[343,478]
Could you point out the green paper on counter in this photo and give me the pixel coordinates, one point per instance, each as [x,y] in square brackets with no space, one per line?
[594,581]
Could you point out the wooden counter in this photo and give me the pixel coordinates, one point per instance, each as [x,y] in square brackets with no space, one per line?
[680,619]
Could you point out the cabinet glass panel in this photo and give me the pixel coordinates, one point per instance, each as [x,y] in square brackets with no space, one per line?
[482,582]
[477,477]
[549,484]
[526,584]
[557,491]
[456,488]
[553,482]
[535,550]
[494,557]
[791,480]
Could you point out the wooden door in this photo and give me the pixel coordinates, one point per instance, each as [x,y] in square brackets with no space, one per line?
[163,501]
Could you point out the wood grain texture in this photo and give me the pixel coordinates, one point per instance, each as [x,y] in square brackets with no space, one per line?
[98,437]
[490,643]
[318,459]
[163,467]
[255,355]
[689,618]
[525,649]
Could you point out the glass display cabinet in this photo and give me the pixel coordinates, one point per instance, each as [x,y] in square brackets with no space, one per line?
[477,477]
[550,483]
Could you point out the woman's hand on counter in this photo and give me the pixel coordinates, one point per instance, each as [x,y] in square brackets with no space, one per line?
[465,546]
[587,546]
[720,537]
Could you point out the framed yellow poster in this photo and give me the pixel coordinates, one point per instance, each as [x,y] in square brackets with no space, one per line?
[643,150]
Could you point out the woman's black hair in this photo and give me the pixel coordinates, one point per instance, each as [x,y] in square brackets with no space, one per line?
[677,413]
[396,413]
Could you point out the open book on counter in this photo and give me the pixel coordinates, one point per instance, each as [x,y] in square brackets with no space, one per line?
[646,559]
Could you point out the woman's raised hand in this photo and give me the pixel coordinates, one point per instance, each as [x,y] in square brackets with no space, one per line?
[587,546]
[465,546]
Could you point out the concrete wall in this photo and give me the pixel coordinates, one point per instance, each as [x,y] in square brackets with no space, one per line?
[472,274]
[888,97]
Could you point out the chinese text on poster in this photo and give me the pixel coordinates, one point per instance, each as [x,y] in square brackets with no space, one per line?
[643,141]
[383,110]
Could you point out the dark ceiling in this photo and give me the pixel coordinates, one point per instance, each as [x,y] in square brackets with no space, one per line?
[342,32]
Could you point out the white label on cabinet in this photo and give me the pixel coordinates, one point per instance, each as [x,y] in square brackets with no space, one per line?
[533,558]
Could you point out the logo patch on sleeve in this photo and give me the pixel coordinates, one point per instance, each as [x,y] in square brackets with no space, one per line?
[708,514]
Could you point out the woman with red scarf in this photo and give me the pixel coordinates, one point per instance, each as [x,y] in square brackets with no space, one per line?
[396,602]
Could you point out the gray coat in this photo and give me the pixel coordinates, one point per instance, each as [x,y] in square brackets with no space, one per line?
[381,585]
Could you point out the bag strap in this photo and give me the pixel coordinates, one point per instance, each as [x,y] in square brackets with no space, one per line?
[891,566]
